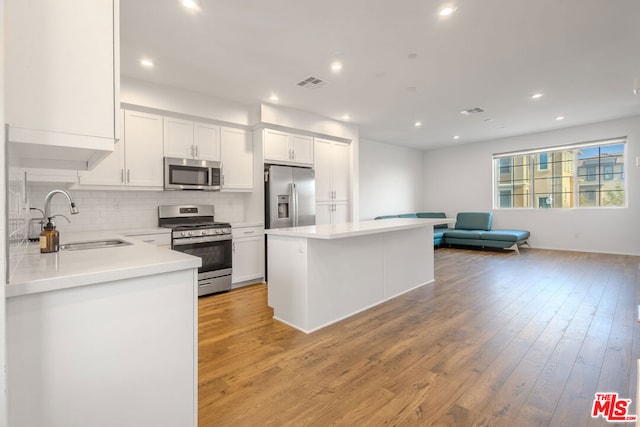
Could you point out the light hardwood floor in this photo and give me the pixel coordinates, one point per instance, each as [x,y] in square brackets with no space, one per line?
[497,340]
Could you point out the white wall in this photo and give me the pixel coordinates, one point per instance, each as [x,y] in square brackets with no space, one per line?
[3,236]
[166,98]
[460,179]
[390,179]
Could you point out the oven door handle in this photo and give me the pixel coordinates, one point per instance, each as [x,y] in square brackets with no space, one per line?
[204,239]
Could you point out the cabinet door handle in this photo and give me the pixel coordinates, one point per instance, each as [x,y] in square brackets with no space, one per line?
[128,176]
[233,247]
[197,151]
[122,175]
[249,232]
[222,180]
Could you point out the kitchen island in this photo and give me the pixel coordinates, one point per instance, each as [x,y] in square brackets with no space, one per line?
[318,275]
[103,337]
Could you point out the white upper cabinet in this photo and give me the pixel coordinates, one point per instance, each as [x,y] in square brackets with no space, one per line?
[62,82]
[191,140]
[143,150]
[137,161]
[207,141]
[178,138]
[332,170]
[287,148]
[236,153]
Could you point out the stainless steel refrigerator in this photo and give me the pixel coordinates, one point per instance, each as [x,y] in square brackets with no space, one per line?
[290,197]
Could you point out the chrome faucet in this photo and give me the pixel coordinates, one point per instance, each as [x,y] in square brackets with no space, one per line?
[47,204]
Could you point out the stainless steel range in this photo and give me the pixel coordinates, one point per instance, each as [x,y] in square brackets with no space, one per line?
[195,232]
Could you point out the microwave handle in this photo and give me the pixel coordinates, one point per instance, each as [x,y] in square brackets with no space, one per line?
[221,176]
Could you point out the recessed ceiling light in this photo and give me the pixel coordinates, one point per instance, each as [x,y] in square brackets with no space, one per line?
[190,4]
[146,62]
[418,124]
[558,118]
[537,95]
[336,66]
[456,136]
[412,55]
[346,117]
[273,97]
[446,11]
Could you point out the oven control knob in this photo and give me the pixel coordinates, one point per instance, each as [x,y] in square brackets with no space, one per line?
[183,233]
[190,233]
[218,231]
[226,231]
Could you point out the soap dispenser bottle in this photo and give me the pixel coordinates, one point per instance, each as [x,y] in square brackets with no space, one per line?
[49,238]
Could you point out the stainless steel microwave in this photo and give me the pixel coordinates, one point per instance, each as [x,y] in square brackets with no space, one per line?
[190,174]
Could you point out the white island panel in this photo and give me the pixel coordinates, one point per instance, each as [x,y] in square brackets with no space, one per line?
[121,353]
[318,275]
[289,269]
[408,260]
[345,277]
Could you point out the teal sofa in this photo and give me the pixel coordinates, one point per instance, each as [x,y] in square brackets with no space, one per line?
[472,229]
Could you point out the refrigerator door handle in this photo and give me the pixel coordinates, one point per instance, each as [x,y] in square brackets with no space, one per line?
[294,202]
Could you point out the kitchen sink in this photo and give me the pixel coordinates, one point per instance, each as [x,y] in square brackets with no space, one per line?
[94,244]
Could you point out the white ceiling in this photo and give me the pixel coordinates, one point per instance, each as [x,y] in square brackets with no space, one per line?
[583,54]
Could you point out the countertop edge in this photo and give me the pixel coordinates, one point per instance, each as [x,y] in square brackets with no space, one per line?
[329,232]
[70,269]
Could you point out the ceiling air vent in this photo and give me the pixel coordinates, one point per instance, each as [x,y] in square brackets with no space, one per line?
[472,111]
[312,82]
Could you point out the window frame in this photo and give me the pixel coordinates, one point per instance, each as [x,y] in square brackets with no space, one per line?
[532,202]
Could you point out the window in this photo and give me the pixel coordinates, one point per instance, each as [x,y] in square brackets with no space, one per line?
[543,161]
[608,173]
[581,175]
[506,199]
[505,165]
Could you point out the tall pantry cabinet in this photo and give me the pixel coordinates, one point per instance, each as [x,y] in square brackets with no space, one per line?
[332,181]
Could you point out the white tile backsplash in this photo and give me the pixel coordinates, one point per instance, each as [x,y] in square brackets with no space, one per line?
[119,210]
[18,217]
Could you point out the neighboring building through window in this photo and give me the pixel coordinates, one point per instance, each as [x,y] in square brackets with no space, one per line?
[582,175]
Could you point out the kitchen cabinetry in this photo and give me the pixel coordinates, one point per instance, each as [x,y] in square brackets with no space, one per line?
[191,140]
[236,154]
[287,148]
[248,255]
[332,181]
[137,160]
[332,170]
[332,213]
[62,82]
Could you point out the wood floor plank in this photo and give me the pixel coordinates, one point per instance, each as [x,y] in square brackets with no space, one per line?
[497,339]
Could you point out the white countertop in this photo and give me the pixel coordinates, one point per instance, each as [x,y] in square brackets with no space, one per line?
[65,269]
[362,228]
[144,231]
[247,224]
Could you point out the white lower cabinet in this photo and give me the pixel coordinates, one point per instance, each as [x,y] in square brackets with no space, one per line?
[332,213]
[248,256]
